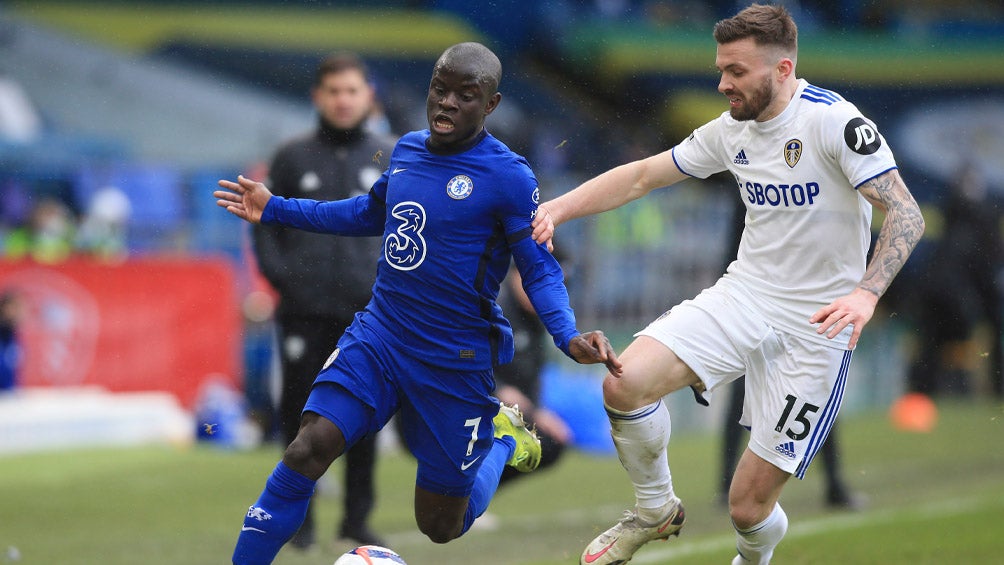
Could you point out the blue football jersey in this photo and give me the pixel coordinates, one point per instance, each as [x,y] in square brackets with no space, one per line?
[451,223]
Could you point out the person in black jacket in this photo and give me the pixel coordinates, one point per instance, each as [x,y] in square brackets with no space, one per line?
[960,291]
[322,281]
[519,382]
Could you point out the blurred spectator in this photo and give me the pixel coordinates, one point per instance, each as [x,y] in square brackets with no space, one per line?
[10,345]
[103,230]
[48,237]
[258,309]
[518,382]
[322,281]
[960,291]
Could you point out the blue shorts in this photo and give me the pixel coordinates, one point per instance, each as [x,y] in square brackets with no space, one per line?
[446,415]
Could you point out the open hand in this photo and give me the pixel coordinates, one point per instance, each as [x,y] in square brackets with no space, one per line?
[245,198]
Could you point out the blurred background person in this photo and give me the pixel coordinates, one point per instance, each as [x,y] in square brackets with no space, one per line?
[960,291]
[322,281]
[519,382]
[10,345]
[104,227]
[47,237]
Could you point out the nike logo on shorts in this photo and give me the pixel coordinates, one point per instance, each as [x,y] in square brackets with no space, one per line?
[467,464]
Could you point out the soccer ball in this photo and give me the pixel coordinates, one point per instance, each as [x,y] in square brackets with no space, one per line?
[370,555]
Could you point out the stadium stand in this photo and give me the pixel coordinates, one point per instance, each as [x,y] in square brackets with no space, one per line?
[189,92]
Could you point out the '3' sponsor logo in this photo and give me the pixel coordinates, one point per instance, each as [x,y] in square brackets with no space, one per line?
[404,248]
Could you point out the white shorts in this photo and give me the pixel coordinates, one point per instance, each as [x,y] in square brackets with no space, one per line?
[794,385]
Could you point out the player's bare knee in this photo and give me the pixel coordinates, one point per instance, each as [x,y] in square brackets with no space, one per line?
[741,517]
[312,452]
[629,392]
[440,529]
[619,393]
[300,456]
[745,513]
[440,536]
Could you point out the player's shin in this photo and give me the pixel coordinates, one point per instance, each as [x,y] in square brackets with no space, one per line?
[486,481]
[640,437]
[274,517]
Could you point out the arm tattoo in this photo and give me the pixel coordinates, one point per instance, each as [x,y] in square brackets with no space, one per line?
[900,231]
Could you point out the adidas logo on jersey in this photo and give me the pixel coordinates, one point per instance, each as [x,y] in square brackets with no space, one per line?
[787,449]
[741,158]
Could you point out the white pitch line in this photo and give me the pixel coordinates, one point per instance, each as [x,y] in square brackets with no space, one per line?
[810,527]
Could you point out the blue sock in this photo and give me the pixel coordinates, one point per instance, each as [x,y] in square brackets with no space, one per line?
[487,480]
[275,517]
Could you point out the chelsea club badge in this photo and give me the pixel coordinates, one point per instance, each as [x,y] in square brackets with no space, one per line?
[460,187]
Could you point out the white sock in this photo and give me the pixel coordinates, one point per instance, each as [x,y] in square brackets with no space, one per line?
[756,545]
[641,437]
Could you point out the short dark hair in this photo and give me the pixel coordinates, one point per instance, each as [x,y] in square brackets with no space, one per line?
[340,62]
[488,67]
[768,25]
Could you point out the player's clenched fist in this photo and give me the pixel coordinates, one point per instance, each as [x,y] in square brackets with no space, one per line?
[245,198]
[594,347]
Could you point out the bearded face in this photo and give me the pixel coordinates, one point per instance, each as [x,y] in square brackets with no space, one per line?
[751,104]
[750,79]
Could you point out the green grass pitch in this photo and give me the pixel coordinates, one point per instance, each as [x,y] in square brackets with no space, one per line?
[933,498]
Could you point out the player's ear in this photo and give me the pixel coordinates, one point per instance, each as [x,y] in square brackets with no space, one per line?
[785,67]
[493,103]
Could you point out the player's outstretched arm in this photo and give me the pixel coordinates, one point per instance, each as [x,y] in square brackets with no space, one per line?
[901,230]
[594,347]
[607,191]
[245,198]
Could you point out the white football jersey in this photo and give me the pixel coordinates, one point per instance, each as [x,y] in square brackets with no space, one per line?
[807,229]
